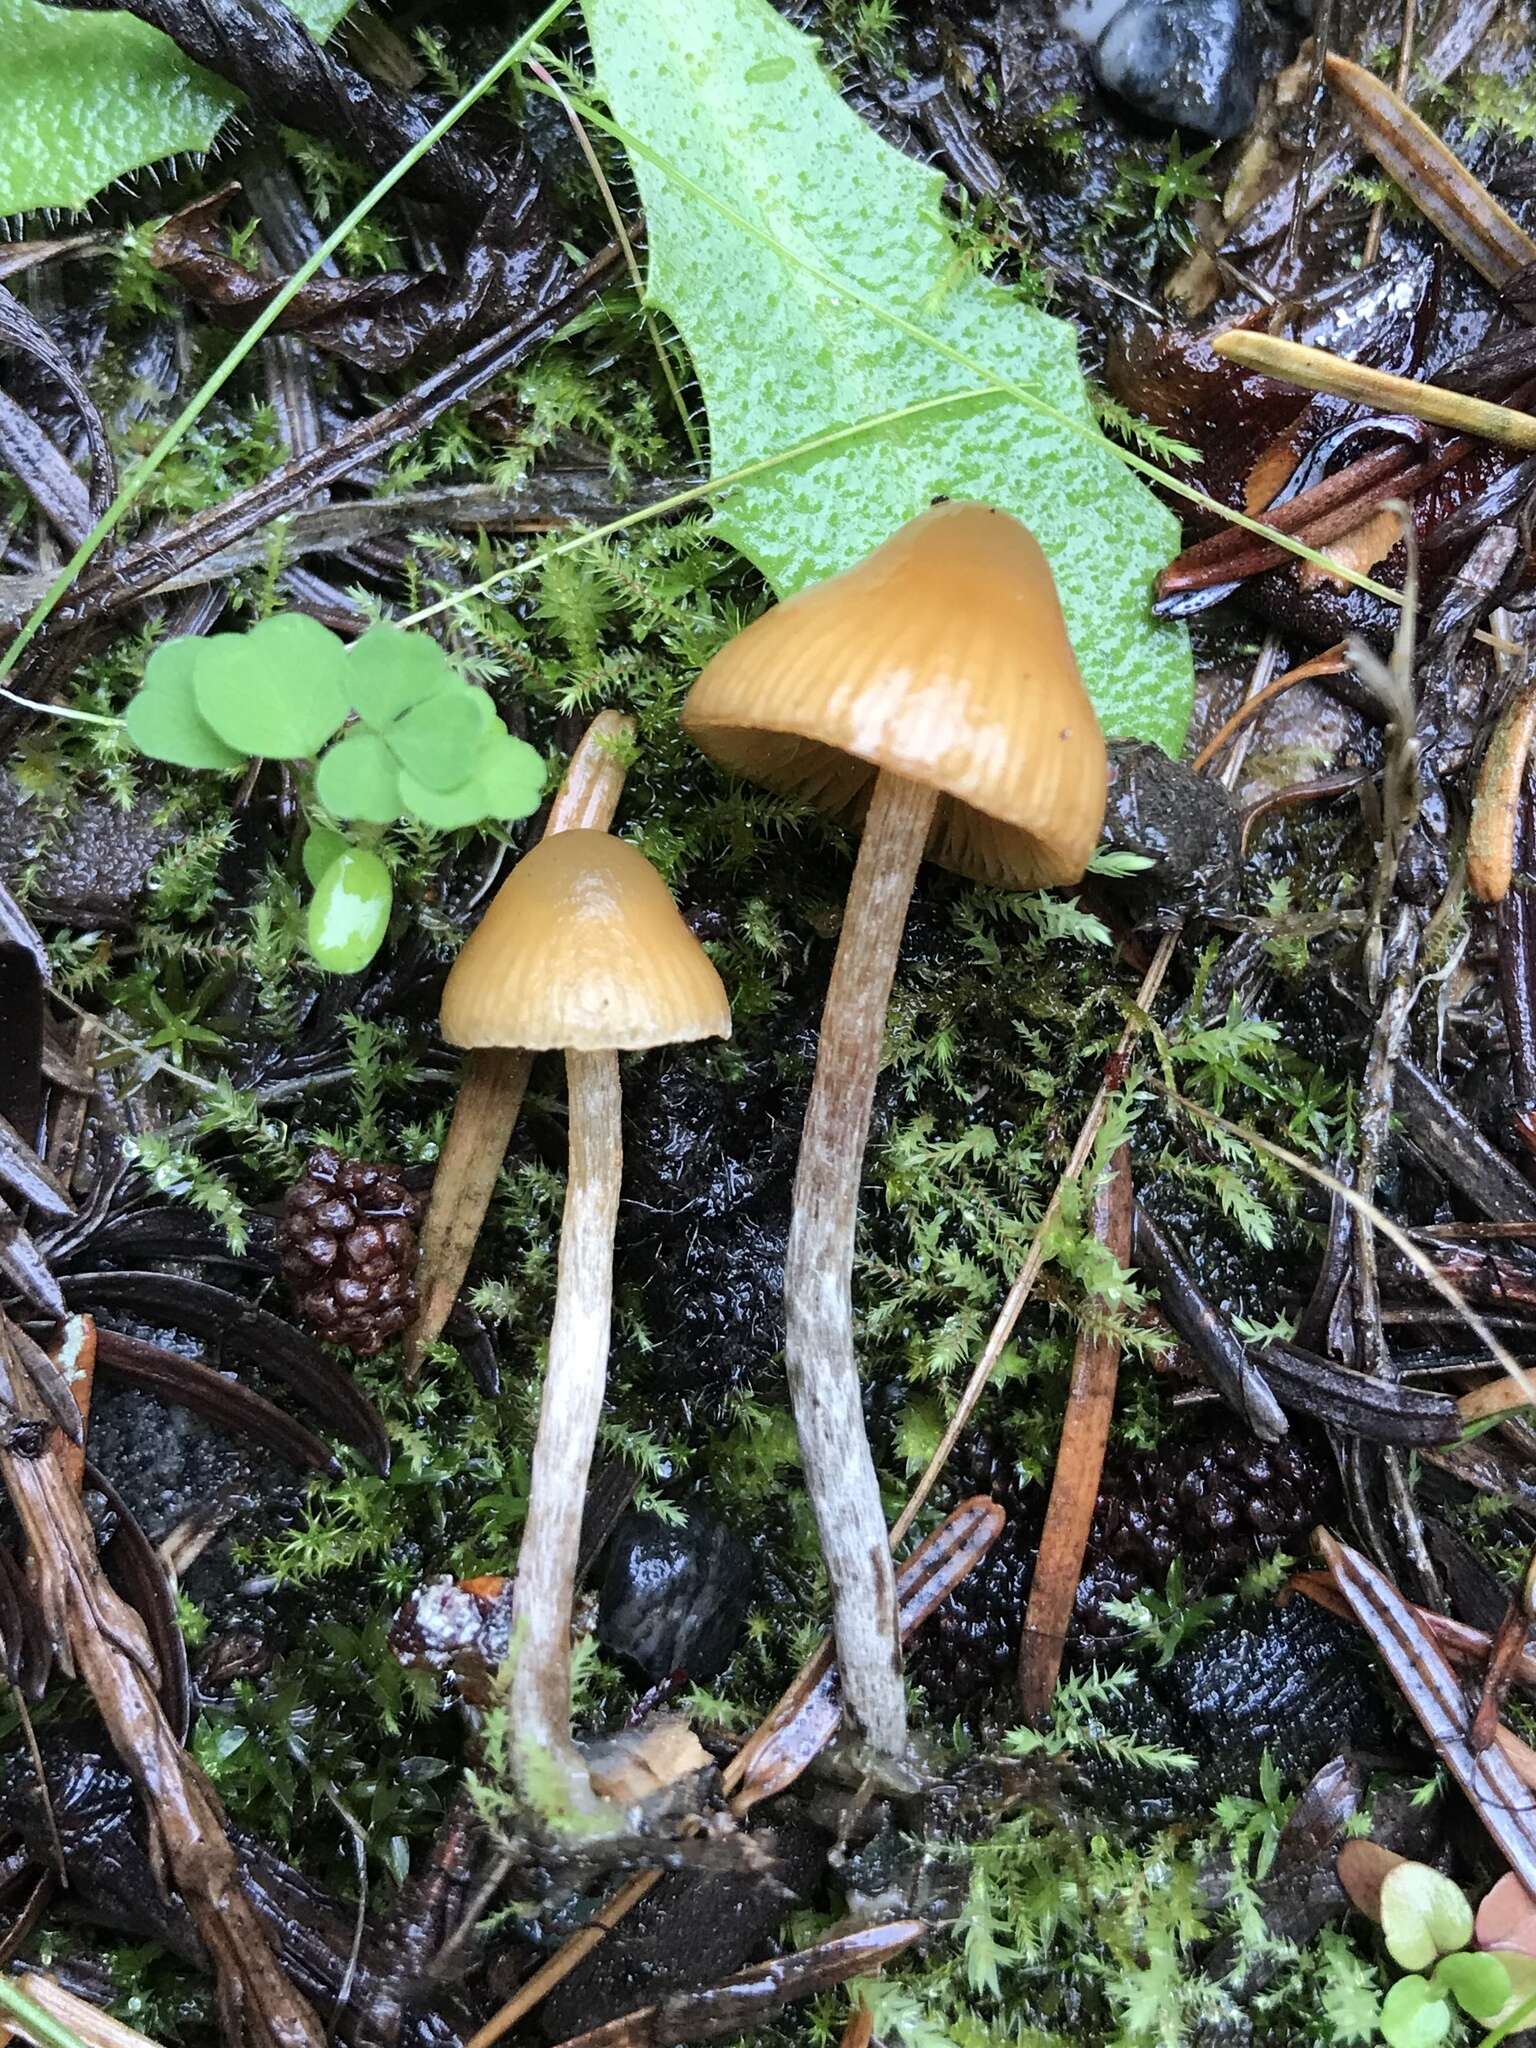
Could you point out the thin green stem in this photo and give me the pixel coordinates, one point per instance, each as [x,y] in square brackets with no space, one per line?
[663,354]
[965,361]
[141,473]
[696,494]
[41,2026]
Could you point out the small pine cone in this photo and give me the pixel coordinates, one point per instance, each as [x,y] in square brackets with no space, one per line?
[347,1239]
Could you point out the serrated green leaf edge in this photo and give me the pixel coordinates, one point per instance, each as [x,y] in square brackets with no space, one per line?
[829,189]
[90,97]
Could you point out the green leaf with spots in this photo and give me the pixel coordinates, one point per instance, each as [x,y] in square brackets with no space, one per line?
[728,106]
[89,97]
[349,911]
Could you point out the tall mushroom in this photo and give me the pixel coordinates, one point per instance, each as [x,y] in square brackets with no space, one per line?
[929,693]
[582,951]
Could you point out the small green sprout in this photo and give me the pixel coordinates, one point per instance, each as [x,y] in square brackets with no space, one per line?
[379,732]
[1427,1924]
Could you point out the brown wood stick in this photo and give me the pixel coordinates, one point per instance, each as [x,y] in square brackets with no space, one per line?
[1436,180]
[1491,836]
[108,1649]
[1079,1467]
[1464,1645]
[76,1352]
[1492,1397]
[1318,369]
[491,1092]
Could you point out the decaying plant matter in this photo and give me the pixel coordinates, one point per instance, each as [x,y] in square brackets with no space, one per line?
[106,1646]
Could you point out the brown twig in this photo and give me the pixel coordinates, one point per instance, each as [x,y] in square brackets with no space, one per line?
[1504,1657]
[1490,1780]
[1079,1465]
[1318,369]
[1331,662]
[106,1644]
[1464,1645]
[1491,837]
[1437,182]
[491,1092]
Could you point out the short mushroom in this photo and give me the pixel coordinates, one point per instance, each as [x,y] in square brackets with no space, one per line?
[582,951]
[930,694]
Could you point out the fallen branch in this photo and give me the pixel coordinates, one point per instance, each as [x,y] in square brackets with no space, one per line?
[1491,1779]
[1437,182]
[105,1643]
[1318,369]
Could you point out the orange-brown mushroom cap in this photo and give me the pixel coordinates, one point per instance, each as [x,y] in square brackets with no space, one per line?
[943,657]
[583,950]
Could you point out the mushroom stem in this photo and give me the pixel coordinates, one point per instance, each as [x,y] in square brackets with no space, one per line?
[818,1268]
[548,1766]
[490,1095]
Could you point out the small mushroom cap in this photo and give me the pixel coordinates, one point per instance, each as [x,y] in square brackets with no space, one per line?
[943,657]
[583,949]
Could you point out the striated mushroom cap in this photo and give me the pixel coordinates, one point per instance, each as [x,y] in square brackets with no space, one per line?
[943,657]
[583,949]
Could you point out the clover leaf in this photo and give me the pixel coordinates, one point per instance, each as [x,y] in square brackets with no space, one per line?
[321,848]
[1414,2015]
[1423,1915]
[357,778]
[389,671]
[1478,1982]
[507,783]
[434,742]
[163,720]
[278,690]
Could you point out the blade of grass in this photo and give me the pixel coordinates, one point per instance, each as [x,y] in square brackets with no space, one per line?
[695,494]
[982,372]
[141,473]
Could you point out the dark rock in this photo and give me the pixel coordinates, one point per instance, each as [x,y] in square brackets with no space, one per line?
[1185,824]
[674,1599]
[1192,63]
[694,1929]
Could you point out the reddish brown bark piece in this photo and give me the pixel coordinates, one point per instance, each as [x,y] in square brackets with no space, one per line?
[106,1644]
[1363,1868]
[1079,1467]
